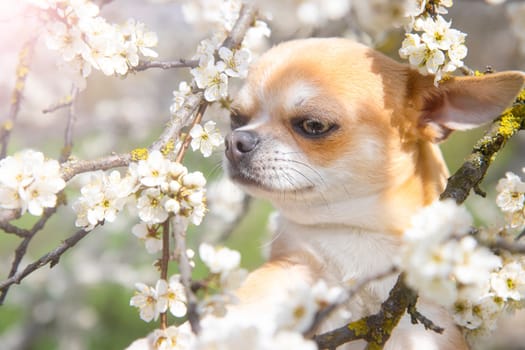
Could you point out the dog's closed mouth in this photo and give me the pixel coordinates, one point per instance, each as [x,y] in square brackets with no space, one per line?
[279,182]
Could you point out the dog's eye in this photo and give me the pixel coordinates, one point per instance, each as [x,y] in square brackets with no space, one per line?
[237,120]
[313,127]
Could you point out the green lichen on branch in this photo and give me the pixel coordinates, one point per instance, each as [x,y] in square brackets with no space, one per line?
[374,329]
[473,170]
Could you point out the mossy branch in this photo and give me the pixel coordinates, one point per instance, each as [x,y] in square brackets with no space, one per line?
[473,170]
[375,329]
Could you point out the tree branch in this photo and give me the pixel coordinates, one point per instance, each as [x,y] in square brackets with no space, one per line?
[22,70]
[185,278]
[50,258]
[182,63]
[68,134]
[473,170]
[375,329]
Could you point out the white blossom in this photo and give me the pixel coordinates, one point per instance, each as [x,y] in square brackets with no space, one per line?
[171,296]
[145,299]
[509,282]
[29,182]
[511,193]
[225,199]
[440,260]
[236,61]
[103,198]
[152,171]
[179,97]
[206,138]
[297,312]
[211,77]
[151,236]
[85,39]
[173,338]
[219,260]
[151,206]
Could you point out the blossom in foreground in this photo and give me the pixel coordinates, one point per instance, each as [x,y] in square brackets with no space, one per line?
[509,282]
[206,138]
[173,338]
[219,260]
[511,199]
[29,182]
[440,260]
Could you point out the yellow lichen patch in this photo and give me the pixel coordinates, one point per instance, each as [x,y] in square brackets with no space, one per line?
[168,148]
[359,327]
[8,125]
[521,96]
[510,122]
[22,71]
[139,154]
[477,73]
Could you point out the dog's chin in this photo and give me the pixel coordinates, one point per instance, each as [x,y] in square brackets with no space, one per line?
[261,186]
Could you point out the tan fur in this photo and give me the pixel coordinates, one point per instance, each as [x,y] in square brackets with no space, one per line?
[344,199]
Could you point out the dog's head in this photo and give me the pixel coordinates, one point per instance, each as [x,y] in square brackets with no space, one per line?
[325,128]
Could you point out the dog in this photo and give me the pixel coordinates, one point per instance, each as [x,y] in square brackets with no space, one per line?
[342,140]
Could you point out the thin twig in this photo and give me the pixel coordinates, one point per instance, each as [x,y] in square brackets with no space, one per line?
[52,257]
[185,277]
[63,103]
[164,262]
[22,70]
[8,228]
[21,250]
[187,140]
[68,134]
[182,63]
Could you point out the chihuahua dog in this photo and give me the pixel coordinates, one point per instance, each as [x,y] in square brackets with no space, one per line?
[342,141]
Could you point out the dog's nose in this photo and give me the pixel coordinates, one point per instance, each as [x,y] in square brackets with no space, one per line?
[240,143]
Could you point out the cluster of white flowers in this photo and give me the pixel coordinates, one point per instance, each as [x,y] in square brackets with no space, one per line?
[102,198]
[439,257]
[447,265]
[430,44]
[511,199]
[166,295]
[280,327]
[29,182]
[167,188]
[224,263]
[161,188]
[212,75]
[85,40]
[225,199]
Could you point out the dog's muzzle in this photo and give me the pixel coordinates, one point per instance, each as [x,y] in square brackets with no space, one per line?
[240,145]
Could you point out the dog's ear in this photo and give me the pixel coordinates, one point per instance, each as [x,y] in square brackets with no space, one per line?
[461,103]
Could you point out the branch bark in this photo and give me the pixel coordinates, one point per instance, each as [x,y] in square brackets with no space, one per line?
[473,170]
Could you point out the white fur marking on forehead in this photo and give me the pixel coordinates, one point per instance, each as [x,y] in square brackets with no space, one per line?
[244,97]
[298,93]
